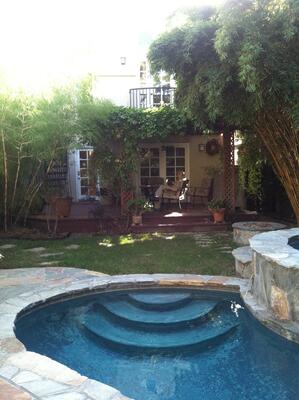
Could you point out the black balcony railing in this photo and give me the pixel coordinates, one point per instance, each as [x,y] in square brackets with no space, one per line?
[149,97]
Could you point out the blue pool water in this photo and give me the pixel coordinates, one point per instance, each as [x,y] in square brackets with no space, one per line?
[294,242]
[166,345]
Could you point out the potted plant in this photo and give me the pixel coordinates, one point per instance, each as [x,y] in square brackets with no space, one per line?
[217,208]
[137,207]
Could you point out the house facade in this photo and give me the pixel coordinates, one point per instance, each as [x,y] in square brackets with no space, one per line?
[127,83]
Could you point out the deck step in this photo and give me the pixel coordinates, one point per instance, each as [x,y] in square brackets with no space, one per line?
[198,311]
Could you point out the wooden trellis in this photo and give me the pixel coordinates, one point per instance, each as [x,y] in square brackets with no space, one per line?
[229,170]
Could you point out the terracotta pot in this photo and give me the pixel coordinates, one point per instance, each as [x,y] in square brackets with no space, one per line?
[62,206]
[218,215]
[136,219]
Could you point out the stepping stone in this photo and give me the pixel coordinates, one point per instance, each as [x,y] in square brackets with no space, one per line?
[243,261]
[73,247]
[36,249]
[7,246]
[48,263]
[51,254]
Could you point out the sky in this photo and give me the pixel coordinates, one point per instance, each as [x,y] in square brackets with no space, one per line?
[45,42]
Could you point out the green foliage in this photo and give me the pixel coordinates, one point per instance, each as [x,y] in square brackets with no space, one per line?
[129,254]
[206,88]
[216,204]
[138,205]
[34,132]
[231,64]
[250,161]
[116,133]
[237,69]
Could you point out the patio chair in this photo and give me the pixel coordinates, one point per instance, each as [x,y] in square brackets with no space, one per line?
[149,190]
[178,197]
[201,194]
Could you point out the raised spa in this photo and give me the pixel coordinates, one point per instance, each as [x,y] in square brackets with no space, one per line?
[166,344]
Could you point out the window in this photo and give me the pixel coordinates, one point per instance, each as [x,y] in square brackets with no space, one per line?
[150,164]
[142,72]
[163,161]
[175,161]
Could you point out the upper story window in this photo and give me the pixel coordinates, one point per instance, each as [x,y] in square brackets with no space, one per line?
[142,72]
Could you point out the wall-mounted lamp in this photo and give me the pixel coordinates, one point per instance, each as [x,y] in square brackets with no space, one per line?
[201,147]
[123,60]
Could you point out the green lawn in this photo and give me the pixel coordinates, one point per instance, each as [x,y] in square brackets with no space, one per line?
[149,253]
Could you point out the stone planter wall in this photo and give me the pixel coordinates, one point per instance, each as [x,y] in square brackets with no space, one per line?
[276,274]
[243,231]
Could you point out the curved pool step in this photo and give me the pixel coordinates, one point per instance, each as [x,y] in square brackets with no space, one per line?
[159,301]
[128,314]
[130,340]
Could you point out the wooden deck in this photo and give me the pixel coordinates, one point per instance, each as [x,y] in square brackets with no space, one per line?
[82,220]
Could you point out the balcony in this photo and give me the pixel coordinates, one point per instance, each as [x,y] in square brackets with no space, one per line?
[149,97]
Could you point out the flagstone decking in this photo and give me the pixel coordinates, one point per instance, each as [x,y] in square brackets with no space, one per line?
[27,375]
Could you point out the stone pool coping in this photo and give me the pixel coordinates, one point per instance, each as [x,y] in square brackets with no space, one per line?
[26,375]
[274,247]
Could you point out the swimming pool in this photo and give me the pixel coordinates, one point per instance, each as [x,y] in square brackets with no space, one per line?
[166,344]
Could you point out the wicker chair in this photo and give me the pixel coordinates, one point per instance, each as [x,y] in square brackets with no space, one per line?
[201,194]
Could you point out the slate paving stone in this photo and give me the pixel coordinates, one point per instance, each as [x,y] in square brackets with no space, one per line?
[8,392]
[68,396]
[48,263]
[7,246]
[73,247]
[36,249]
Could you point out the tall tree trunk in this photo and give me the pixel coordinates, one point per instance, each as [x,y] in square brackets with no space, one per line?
[29,190]
[5,181]
[12,204]
[35,192]
[282,141]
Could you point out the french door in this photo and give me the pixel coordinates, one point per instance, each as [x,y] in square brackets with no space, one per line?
[86,180]
[164,161]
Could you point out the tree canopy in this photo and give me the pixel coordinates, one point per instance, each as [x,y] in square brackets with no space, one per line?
[238,68]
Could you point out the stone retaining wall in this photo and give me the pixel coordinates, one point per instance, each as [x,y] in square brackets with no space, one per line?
[276,274]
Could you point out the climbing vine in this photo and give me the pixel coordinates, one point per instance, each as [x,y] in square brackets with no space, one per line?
[116,135]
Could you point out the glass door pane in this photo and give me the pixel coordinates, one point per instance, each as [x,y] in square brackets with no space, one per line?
[149,164]
[86,175]
[175,161]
